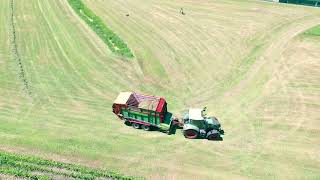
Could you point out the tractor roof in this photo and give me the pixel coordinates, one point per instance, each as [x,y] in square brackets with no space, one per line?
[123,98]
[195,114]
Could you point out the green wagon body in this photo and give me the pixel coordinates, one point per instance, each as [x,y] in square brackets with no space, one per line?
[145,116]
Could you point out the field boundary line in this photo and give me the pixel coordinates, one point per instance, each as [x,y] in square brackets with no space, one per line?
[16,54]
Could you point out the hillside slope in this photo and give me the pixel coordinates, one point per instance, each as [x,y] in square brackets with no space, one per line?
[248,62]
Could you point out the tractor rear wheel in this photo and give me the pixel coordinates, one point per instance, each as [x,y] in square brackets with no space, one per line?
[190,133]
[136,125]
[146,128]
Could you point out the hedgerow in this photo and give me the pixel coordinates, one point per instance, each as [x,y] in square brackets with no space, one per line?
[24,166]
[112,40]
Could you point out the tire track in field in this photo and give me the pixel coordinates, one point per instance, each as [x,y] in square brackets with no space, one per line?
[61,50]
[168,47]
[69,61]
[283,76]
[15,51]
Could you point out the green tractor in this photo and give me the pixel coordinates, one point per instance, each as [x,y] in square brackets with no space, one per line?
[198,125]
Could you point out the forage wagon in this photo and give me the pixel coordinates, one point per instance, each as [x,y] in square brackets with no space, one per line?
[144,111]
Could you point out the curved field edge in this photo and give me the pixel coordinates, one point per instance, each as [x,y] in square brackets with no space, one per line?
[112,40]
[26,166]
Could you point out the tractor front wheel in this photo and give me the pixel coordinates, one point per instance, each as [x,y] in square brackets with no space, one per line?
[221,131]
[136,125]
[190,133]
[145,127]
[213,135]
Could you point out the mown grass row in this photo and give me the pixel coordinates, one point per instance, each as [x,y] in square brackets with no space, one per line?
[26,166]
[113,41]
[21,173]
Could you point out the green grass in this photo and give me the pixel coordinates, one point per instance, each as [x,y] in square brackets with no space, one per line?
[25,166]
[254,76]
[315,31]
[114,42]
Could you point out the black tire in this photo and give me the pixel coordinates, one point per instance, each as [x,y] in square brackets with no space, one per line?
[136,125]
[213,135]
[127,123]
[146,128]
[190,133]
[121,117]
[221,131]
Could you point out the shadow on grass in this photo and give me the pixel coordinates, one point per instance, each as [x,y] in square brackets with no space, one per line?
[174,130]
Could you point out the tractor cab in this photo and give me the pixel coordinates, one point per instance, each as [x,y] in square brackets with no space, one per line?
[195,117]
[198,125]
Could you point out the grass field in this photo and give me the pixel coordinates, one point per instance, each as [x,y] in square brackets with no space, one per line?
[252,63]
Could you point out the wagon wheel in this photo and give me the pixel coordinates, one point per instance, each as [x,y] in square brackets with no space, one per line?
[136,126]
[146,128]
[190,134]
[128,123]
[121,117]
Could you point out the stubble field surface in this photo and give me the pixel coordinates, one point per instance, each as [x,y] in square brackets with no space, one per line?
[254,64]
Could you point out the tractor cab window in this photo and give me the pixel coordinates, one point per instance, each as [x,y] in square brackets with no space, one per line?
[186,118]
